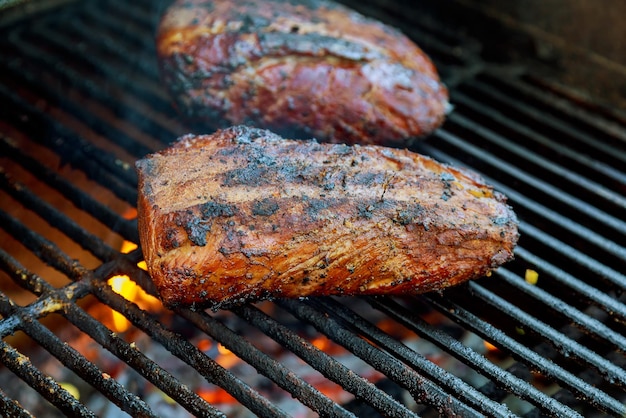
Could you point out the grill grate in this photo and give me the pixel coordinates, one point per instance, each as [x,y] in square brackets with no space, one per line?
[82,101]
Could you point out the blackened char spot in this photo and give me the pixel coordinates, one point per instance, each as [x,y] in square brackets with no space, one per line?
[368,178]
[252,175]
[409,215]
[375,207]
[197,227]
[446,178]
[265,207]
[212,209]
[316,206]
[171,239]
[501,220]
[197,230]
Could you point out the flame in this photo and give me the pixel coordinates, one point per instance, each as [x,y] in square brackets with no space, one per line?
[215,395]
[124,286]
[328,346]
[226,357]
[490,347]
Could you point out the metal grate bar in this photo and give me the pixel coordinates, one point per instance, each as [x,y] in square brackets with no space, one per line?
[269,367]
[525,113]
[602,123]
[601,299]
[324,363]
[603,271]
[44,249]
[451,383]
[121,39]
[57,219]
[160,377]
[140,21]
[499,339]
[97,164]
[569,224]
[53,93]
[580,319]
[158,115]
[578,257]
[130,114]
[564,345]
[532,135]
[563,175]
[504,379]
[126,228]
[11,408]
[422,389]
[147,13]
[45,385]
[71,358]
[184,350]
[147,368]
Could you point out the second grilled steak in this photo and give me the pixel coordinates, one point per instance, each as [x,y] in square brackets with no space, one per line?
[244,215]
[303,68]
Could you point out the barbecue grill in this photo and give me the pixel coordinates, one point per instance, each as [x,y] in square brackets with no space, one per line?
[81,100]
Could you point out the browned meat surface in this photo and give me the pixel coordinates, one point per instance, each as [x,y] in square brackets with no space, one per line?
[245,215]
[303,68]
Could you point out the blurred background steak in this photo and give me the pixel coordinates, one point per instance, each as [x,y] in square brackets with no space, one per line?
[301,68]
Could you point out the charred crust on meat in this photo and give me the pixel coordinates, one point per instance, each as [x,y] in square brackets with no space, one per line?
[409,215]
[265,207]
[171,239]
[251,175]
[212,209]
[197,230]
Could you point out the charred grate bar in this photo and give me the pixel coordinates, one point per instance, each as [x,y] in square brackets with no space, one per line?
[83,101]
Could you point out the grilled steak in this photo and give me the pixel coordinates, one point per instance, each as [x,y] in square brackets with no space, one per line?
[303,68]
[244,214]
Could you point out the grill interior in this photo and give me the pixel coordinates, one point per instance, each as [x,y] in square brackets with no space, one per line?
[82,100]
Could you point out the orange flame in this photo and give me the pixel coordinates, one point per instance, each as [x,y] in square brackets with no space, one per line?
[124,286]
[215,396]
[490,347]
